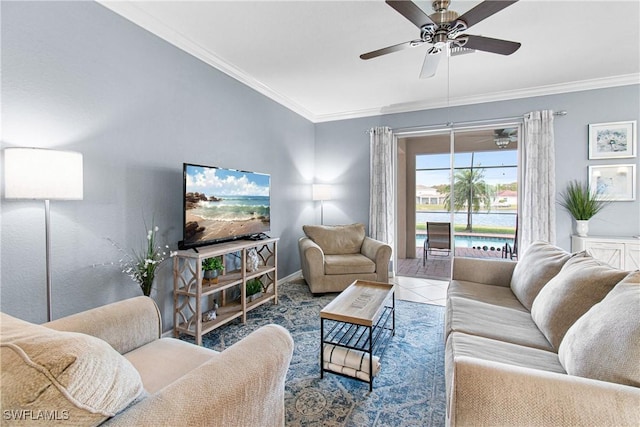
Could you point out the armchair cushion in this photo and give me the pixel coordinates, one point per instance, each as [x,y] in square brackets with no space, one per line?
[80,377]
[348,264]
[163,361]
[337,239]
[604,344]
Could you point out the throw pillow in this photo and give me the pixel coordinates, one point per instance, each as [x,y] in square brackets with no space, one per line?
[53,375]
[539,264]
[582,282]
[604,344]
[337,239]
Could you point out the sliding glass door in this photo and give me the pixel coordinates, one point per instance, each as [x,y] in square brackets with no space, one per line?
[468,178]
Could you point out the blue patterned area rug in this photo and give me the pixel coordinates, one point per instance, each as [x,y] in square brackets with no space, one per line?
[408,391]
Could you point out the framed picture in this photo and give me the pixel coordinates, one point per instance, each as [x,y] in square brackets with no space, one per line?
[612,140]
[613,182]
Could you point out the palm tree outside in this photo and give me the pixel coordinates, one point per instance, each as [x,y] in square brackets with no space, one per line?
[470,191]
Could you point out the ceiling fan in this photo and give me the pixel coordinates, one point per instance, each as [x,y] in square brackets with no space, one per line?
[444,27]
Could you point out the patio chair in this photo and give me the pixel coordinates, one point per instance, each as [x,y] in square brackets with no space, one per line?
[511,252]
[438,239]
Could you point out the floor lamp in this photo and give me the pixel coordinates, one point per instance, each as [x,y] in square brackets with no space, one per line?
[36,173]
[321,192]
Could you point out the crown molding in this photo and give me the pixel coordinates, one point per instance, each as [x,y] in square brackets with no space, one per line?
[577,86]
[131,12]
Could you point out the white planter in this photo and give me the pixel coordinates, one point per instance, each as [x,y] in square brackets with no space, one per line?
[582,227]
[254,297]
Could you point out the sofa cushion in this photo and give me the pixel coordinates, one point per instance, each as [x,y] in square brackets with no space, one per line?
[163,361]
[539,264]
[76,376]
[582,282]
[460,344]
[604,344]
[493,321]
[348,264]
[337,239]
[490,294]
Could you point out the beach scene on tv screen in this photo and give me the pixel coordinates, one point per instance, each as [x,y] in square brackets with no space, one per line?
[224,203]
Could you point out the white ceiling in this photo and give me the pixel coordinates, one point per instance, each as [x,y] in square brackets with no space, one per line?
[305,54]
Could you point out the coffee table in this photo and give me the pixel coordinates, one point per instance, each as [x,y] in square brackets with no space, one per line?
[361,318]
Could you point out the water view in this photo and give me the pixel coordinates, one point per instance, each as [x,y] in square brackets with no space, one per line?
[504,218]
[488,228]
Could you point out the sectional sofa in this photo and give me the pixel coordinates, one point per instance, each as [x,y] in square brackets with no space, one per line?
[553,339]
[109,365]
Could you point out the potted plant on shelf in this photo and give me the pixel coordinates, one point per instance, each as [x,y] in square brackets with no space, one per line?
[212,268]
[254,289]
[583,203]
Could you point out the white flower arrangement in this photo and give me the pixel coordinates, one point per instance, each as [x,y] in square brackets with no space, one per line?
[141,266]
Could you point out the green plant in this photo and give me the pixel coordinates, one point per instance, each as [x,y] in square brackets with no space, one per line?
[141,266]
[254,286]
[212,264]
[581,200]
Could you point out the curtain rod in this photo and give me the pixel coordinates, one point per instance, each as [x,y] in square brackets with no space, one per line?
[467,123]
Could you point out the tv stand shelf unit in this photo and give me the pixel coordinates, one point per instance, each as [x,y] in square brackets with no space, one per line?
[190,288]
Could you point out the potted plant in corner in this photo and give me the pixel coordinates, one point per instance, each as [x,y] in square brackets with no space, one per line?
[212,268]
[583,203]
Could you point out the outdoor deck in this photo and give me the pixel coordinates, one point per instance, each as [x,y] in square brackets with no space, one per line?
[438,267]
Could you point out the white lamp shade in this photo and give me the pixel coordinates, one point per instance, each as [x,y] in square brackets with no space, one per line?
[36,173]
[321,192]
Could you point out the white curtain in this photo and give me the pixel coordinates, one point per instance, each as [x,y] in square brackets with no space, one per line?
[538,213]
[381,185]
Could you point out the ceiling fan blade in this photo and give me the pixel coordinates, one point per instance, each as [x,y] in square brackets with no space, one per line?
[411,11]
[487,44]
[390,49]
[483,11]
[430,65]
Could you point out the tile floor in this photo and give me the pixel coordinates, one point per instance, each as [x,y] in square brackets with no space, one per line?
[428,283]
[416,289]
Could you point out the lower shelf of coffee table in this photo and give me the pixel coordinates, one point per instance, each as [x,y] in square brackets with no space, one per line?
[371,340]
[356,337]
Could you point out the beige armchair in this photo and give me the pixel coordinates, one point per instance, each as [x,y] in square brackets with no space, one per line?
[110,365]
[332,257]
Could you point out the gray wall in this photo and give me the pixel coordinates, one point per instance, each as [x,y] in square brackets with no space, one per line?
[76,76]
[342,150]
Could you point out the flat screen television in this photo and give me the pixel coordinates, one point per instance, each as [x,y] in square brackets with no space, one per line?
[223,204]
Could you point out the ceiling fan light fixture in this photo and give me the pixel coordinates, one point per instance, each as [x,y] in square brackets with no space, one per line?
[502,142]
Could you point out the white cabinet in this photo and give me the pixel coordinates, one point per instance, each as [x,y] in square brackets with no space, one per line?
[618,252]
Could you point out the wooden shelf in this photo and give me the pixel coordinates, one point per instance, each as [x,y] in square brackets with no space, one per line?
[224,315]
[224,282]
[266,297]
[190,289]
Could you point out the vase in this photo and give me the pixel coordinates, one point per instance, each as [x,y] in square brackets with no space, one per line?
[147,284]
[211,275]
[582,227]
